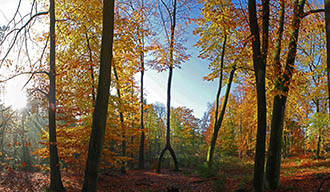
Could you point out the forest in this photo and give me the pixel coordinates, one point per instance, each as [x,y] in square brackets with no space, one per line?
[81,117]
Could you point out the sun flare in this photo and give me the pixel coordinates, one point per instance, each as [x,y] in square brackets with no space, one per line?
[15,97]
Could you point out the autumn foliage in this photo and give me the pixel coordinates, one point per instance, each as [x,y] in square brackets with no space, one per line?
[142,33]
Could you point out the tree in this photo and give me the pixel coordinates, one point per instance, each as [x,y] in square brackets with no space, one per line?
[142,68]
[218,120]
[184,125]
[102,98]
[55,173]
[259,63]
[282,85]
[170,59]
[142,138]
[319,124]
[221,29]
[121,116]
[311,58]
[169,84]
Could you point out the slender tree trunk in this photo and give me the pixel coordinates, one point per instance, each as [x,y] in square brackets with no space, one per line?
[327,26]
[259,63]
[121,117]
[26,154]
[210,153]
[55,172]
[91,67]
[217,99]
[275,144]
[169,83]
[102,99]
[141,152]
[318,147]
[168,129]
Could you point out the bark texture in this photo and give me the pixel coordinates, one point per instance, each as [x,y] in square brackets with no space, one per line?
[101,103]
[55,172]
[282,84]
[259,64]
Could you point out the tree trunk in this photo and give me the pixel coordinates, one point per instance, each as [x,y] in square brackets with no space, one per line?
[327,26]
[91,67]
[102,99]
[217,99]
[25,151]
[274,159]
[168,129]
[121,117]
[259,63]
[141,152]
[55,172]
[275,144]
[210,152]
[318,147]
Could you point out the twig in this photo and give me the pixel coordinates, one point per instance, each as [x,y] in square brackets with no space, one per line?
[23,73]
[41,91]
[19,30]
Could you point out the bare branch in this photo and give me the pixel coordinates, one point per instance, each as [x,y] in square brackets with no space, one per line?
[24,73]
[168,10]
[44,49]
[19,30]
[311,12]
[163,22]
[39,90]
[16,12]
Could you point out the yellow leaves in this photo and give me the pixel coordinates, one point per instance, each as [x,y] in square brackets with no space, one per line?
[211,76]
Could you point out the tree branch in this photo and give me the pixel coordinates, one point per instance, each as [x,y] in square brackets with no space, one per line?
[311,12]
[16,35]
[41,91]
[24,73]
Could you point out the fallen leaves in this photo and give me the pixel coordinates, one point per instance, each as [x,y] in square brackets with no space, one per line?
[298,174]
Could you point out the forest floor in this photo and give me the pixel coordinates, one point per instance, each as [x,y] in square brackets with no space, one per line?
[297,174]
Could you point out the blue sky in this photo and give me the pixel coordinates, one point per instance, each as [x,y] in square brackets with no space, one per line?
[188,87]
